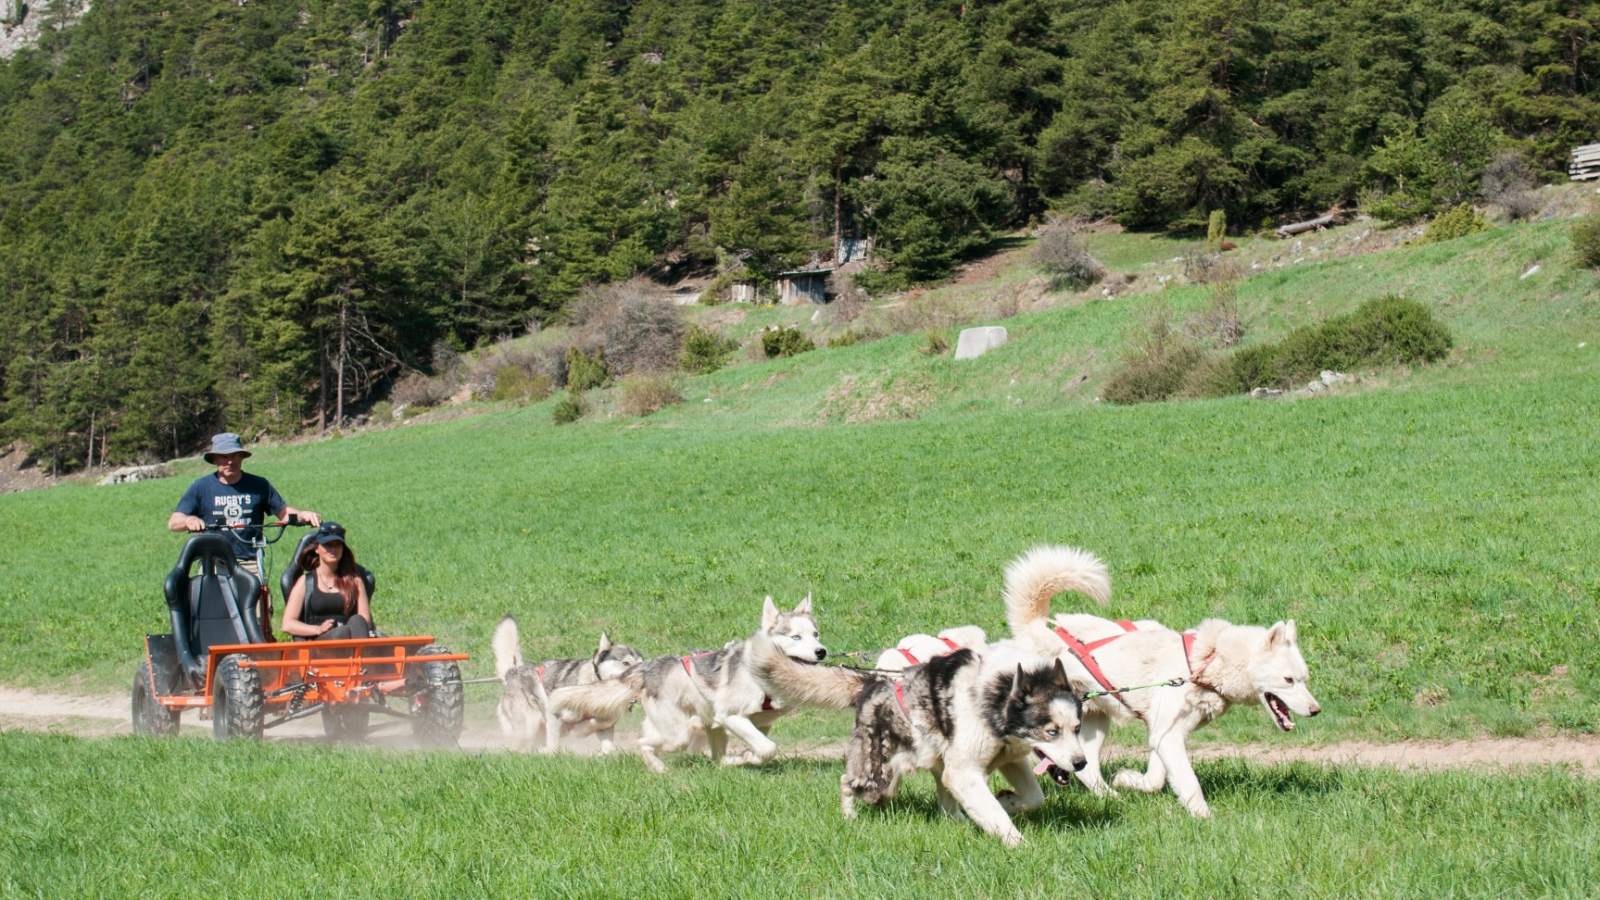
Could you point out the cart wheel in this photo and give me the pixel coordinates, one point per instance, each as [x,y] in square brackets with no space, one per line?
[437,700]
[149,716]
[345,723]
[237,704]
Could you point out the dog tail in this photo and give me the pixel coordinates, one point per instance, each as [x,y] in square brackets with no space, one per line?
[1043,572]
[605,700]
[507,647]
[798,684]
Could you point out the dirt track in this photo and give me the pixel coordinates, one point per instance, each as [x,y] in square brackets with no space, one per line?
[104,715]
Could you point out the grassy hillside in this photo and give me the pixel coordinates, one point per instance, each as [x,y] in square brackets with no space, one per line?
[1431,531]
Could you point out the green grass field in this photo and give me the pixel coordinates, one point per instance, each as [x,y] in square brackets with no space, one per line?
[191,818]
[1431,531]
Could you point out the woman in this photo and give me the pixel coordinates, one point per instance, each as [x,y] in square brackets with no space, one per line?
[330,602]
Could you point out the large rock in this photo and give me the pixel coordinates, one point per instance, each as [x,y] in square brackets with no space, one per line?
[975,342]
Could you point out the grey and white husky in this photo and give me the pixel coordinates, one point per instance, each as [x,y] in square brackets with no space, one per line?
[701,695]
[1217,664]
[960,716]
[524,710]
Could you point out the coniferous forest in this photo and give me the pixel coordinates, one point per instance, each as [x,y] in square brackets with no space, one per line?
[242,212]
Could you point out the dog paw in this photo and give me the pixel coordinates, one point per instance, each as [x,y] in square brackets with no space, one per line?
[1134,781]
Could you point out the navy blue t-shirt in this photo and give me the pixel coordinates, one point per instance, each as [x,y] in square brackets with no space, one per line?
[247,500]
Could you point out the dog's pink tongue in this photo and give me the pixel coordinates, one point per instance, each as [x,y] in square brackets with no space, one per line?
[1044,765]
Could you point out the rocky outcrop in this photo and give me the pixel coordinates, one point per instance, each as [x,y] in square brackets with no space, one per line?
[22,21]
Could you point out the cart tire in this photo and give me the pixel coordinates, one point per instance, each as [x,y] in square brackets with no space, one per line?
[237,705]
[346,723]
[438,701]
[150,718]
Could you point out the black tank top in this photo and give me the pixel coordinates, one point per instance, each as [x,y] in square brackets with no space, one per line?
[321,606]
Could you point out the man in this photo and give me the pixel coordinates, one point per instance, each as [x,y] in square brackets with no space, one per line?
[233,497]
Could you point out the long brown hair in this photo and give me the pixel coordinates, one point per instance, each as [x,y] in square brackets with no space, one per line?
[345,574]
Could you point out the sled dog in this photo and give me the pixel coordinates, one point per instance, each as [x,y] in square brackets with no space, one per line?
[915,649]
[701,694]
[959,716]
[1216,665]
[524,710]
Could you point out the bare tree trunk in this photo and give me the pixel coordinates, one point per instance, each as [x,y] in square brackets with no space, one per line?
[322,379]
[338,398]
[88,458]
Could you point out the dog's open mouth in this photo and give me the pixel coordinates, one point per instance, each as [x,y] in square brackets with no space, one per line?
[1280,712]
[1047,766]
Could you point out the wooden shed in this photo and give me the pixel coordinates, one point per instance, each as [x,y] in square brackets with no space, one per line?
[803,286]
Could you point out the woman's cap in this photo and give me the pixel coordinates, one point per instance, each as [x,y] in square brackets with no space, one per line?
[330,533]
[224,444]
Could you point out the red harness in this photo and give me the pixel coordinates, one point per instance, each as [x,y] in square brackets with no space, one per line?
[911,658]
[1085,654]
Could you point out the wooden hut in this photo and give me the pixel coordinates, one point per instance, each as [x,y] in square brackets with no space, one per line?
[803,286]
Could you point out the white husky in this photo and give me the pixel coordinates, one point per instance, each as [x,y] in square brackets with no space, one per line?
[701,693]
[916,649]
[1216,665]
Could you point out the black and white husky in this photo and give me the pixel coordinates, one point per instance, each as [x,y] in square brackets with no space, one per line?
[524,710]
[701,695]
[959,716]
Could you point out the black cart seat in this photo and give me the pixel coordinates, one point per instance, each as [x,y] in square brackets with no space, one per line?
[212,606]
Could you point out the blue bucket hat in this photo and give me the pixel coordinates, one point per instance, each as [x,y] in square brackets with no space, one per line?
[224,444]
[330,533]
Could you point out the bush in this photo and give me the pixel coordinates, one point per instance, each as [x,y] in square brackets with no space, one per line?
[1149,379]
[585,371]
[1220,324]
[705,350]
[382,413]
[1159,364]
[566,410]
[417,389]
[1384,330]
[1065,259]
[934,344]
[1509,183]
[635,327]
[1586,240]
[1458,222]
[643,394]
[517,383]
[778,341]
[849,338]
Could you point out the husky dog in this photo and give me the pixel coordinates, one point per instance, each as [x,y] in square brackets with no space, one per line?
[915,649]
[525,714]
[710,694]
[1216,665]
[959,716]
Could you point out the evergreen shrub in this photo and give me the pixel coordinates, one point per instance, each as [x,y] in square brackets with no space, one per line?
[705,350]
[785,340]
[585,371]
[1385,330]
[1454,223]
[566,410]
